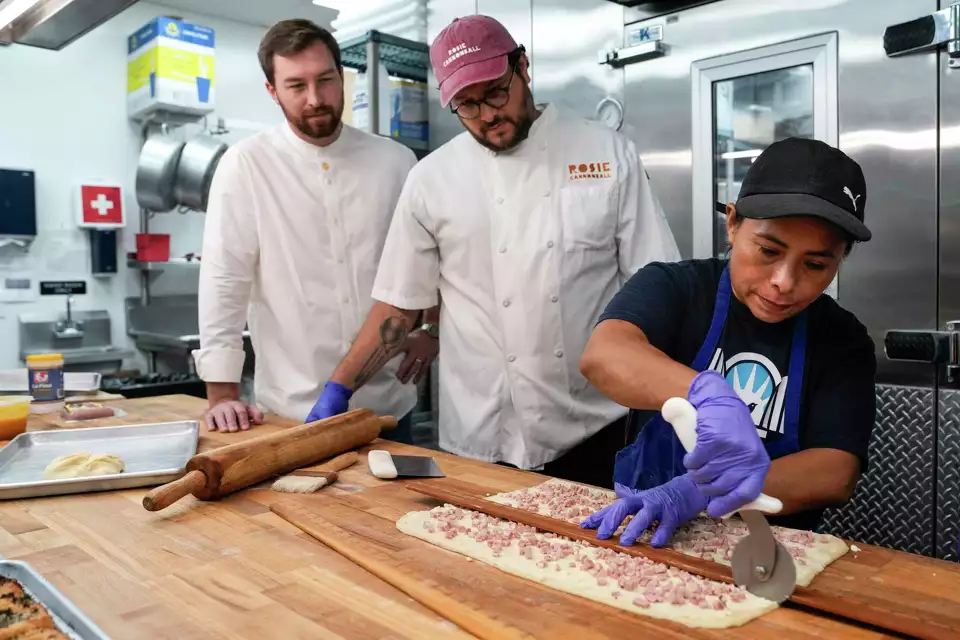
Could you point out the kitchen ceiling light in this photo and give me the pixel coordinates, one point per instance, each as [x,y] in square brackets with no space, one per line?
[338,5]
[13,9]
[351,6]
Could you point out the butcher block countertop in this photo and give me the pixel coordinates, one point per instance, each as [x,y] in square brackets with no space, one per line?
[233,569]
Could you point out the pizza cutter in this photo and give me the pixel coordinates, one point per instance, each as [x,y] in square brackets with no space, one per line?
[759,563]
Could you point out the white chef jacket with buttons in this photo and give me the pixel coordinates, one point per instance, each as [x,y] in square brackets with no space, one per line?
[292,240]
[526,248]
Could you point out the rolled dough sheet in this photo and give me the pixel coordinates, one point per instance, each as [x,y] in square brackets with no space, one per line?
[630,583]
[702,537]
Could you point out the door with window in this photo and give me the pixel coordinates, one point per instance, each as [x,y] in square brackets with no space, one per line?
[730,77]
[742,103]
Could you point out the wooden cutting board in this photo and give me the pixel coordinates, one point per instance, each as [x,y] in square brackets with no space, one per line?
[873,599]
[187,572]
[530,607]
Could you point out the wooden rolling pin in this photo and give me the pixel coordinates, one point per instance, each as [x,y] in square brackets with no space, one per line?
[213,474]
[465,617]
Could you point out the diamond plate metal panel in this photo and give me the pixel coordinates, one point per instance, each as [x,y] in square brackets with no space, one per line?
[893,505]
[948,476]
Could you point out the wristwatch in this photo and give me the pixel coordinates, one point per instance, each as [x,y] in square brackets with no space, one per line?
[432,330]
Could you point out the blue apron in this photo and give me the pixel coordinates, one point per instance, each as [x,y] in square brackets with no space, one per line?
[656,456]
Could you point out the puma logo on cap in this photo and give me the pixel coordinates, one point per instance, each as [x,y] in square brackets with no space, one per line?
[849,193]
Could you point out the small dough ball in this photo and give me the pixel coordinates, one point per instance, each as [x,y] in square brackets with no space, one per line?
[102,464]
[81,465]
[65,466]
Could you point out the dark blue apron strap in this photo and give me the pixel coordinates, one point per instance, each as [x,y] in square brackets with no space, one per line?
[789,441]
[720,308]
[656,456]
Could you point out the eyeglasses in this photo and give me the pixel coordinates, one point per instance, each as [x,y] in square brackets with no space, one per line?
[495,98]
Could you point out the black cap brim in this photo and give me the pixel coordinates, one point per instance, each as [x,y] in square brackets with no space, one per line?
[765,206]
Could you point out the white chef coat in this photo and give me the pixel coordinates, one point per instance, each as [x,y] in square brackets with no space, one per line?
[291,244]
[526,247]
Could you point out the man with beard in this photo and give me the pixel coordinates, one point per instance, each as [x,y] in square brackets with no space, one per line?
[296,222]
[528,223]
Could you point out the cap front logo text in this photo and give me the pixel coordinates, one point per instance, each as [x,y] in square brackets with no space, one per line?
[458,52]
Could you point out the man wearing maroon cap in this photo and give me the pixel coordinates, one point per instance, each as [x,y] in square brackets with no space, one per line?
[527,226]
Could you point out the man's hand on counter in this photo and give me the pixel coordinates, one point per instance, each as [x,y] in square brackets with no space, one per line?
[421,349]
[227,413]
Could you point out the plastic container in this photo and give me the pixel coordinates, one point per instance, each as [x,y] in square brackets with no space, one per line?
[14,411]
[45,373]
[361,102]
[153,247]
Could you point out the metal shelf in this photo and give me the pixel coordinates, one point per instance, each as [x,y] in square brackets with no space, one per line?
[193,265]
[416,145]
[403,58]
[161,116]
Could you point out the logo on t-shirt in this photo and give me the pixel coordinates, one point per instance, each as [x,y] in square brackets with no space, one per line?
[759,384]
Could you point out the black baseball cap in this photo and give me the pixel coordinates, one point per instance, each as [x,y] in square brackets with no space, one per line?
[801,177]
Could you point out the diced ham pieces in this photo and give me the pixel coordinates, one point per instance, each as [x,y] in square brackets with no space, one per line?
[649,582]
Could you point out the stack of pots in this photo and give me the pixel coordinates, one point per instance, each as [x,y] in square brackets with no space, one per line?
[172,173]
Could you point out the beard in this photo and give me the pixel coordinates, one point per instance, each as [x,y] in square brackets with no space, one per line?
[309,125]
[521,127]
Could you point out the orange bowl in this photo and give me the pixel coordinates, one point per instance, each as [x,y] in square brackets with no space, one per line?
[14,411]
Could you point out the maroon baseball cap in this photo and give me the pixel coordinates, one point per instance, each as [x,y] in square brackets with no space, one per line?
[468,51]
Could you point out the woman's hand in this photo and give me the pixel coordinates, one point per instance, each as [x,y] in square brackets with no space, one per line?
[729,463]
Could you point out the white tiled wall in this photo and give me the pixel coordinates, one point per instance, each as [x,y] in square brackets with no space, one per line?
[63,115]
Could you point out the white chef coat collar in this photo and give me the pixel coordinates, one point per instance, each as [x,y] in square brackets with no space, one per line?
[537,136]
[302,146]
[542,124]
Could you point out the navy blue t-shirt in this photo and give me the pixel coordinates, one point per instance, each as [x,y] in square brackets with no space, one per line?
[673,305]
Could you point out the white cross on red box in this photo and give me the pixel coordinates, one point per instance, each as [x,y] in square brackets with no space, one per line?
[100,206]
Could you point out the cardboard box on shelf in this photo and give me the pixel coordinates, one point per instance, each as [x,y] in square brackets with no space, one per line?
[170,67]
[409,117]
[403,107]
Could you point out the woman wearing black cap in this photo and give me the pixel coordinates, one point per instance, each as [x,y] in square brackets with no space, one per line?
[776,370]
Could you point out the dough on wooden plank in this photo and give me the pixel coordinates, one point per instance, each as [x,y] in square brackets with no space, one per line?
[572,502]
[559,575]
[81,465]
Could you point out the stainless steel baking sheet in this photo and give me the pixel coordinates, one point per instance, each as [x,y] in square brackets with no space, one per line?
[152,454]
[15,381]
[68,618]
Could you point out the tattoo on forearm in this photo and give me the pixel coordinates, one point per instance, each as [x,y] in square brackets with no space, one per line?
[393,331]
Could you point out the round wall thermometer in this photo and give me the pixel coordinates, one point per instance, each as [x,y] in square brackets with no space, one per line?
[610,113]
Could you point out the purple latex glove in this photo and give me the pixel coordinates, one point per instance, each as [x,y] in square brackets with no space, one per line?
[673,504]
[334,400]
[729,463]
